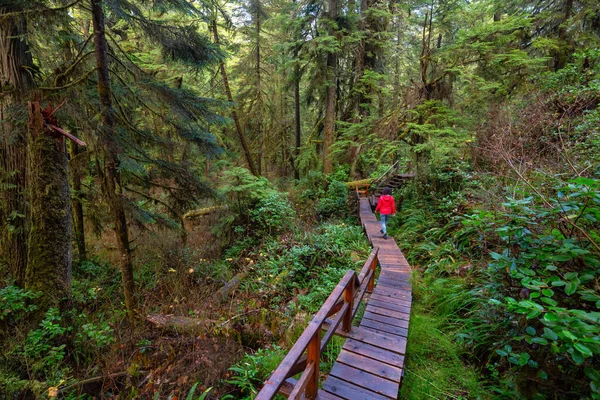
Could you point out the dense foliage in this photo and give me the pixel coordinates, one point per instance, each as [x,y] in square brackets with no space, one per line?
[210,147]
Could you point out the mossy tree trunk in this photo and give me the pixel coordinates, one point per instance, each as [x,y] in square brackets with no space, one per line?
[77,205]
[16,65]
[111,179]
[49,254]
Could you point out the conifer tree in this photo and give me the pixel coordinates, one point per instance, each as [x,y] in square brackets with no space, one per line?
[16,80]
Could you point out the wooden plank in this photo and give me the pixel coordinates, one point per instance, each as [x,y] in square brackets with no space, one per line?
[391,299]
[349,391]
[389,305]
[369,365]
[374,352]
[395,285]
[381,326]
[394,292]
[390,342]
[366,380]
[323,395]
[388,313]
[386,320]
[396,280]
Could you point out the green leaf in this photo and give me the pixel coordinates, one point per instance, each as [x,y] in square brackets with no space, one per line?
[583,350]
[530,330]
[540,340]
[570,288]
[501,353]
[569,335]
[571,275]
[549,301]
[549,333]
[523,359]
[592,373]
[548,292]
[577,357]
[543,375]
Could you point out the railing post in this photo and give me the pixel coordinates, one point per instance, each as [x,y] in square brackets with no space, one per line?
[349,298]
[313,355]
[373,268]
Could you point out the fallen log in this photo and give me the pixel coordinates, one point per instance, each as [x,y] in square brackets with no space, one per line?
[180,324]
[359,183]
[193,214]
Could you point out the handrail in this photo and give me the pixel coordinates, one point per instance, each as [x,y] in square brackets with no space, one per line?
[393,167]
[353,288]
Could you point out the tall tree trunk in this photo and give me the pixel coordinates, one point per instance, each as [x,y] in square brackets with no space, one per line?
[77,206]
[234,115]
[49,255]
[564,49]
[111,182]
[397,63]
[16,65]
[297,125]
[330,98]
[259,133]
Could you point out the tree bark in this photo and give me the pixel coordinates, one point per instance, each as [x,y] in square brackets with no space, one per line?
[77,206]
[16,65]
[330,98]
[49,255]
[297,125]
[234,115]
[259,133]
[111,185]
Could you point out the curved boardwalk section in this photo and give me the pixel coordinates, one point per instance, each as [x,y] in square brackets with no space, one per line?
[370,365]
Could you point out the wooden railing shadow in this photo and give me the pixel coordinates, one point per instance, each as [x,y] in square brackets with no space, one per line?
[342,304]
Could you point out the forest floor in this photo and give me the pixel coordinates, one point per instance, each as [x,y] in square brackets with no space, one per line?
[191,339]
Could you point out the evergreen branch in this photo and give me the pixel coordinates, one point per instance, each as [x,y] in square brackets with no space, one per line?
[133,93]
[84,44]
[116,43]
[42,9]
[118,60]
[154,199]
[72,66]
[83,77]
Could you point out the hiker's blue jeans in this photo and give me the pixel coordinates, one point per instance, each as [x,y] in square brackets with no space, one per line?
[384,219]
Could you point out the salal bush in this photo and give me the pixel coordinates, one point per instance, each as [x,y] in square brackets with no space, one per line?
[543,284]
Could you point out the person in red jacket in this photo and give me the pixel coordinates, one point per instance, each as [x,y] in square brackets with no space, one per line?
[386,207]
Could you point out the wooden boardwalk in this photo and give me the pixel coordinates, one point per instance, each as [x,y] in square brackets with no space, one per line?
[370,365]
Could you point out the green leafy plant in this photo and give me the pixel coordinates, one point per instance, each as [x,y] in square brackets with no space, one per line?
[15,303]
[253,369]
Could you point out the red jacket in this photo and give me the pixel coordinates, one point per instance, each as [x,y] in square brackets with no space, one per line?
[386,205]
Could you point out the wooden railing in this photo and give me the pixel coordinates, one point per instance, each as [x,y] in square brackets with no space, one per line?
[361,188]
[391,170]
[342,303]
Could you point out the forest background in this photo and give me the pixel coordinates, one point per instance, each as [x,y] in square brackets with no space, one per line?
[174,207]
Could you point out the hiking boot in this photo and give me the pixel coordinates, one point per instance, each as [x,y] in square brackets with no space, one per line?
[385,235]
[381,231]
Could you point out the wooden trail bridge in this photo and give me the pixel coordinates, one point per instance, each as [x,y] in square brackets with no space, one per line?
[371,362]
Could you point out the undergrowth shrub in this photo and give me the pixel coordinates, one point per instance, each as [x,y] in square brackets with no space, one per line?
[250,373]
[273,214]
[15,303]
[334,202]
[543,287]
[255,207]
